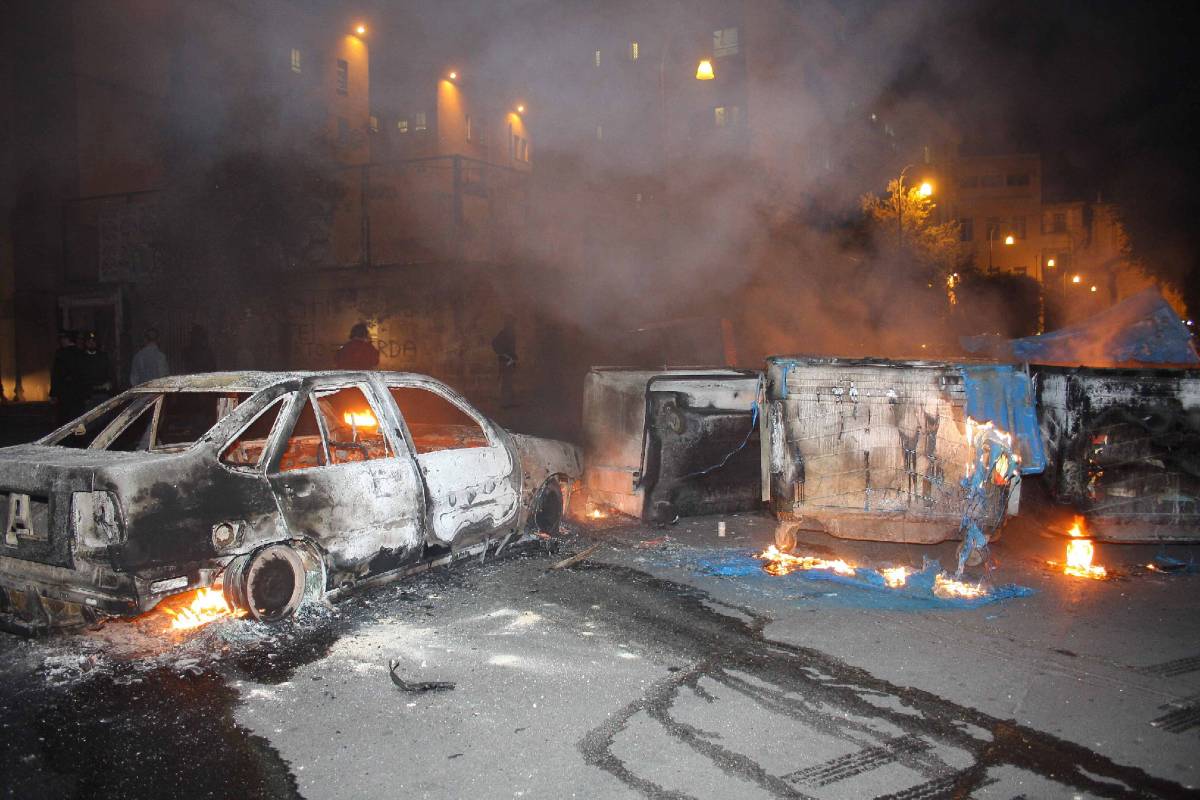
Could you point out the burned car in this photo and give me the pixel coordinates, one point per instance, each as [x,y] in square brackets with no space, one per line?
[276,486]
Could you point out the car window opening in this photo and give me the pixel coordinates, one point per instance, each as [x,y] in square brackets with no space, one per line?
[436,423]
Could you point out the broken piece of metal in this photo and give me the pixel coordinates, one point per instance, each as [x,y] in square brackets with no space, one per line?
[416,686]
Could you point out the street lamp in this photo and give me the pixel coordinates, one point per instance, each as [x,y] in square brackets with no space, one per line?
[1008,240]
[1077,279]
[925,191]
[704,70]
[520,108]
[453,75]
[361,30]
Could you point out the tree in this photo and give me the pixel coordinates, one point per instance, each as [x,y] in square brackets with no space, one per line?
[904,232]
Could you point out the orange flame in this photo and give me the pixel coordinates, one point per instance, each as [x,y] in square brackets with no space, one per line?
[781,563]
[597,514]
[946,587]
[894,577]
[1080,552]
[206,606]
[360,419]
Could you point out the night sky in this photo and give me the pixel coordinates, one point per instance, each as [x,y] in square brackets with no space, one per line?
[1107,92]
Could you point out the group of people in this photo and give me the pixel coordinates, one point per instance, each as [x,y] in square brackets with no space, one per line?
[358,354]
[82,374]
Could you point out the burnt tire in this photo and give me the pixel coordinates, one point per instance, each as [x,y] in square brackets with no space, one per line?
[547,510]
[268,584]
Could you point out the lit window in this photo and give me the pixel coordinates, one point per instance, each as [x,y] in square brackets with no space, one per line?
[374,124]
[633,51]
[295,59]
[725,42]
[726,116]
[419,121]
[343,77]
[402,125]
[468,127]
[596,58]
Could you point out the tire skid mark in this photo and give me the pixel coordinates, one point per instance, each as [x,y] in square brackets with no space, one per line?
[679,619]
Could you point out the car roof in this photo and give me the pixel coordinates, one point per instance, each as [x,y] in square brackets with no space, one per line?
[253,381]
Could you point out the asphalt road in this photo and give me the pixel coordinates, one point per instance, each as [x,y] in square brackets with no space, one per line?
[638,673]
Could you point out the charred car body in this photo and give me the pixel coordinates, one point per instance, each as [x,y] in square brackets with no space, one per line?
[277,486]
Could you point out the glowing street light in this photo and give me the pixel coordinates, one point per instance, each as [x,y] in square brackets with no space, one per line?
[1093,288]
[926,189]
[360,30]
[1010,239]
[520,108]
[1077,279]
[453,75]
[1049,262]
[704,71]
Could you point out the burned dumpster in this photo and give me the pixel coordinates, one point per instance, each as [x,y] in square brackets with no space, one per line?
[905,451]
[1123,447]
[668,443]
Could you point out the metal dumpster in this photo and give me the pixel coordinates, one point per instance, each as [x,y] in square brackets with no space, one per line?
[905,451]
[668,443]
[1123,447]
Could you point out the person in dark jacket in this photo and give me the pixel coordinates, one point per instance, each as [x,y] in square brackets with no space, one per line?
[67,388]
[505,347]
[96,372]
[197,353]
[358,353]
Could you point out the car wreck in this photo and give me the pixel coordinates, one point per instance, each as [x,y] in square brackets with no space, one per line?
[276,487]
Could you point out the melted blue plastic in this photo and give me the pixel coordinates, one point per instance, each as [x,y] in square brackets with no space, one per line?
[867,587]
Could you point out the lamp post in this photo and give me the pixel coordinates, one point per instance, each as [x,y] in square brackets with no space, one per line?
[1009,240]
[704,72]
[925,190]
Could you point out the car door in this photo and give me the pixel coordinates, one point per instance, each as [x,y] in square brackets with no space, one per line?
[472,483]
[345,477]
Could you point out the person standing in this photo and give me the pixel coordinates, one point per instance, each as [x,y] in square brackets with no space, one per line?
[67,388]
[149,362]
[505,347]
[198,355]
[95,373]
[358,352]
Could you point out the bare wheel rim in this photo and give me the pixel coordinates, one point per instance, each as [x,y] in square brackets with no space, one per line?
[274,583]
[548,516]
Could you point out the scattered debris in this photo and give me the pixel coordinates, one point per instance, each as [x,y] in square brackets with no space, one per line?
[416,686]
[575,559]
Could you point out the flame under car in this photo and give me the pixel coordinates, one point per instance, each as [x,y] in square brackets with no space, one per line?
[276,487]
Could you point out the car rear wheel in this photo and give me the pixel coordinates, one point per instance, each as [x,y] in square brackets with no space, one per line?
[268,584]
[547,513]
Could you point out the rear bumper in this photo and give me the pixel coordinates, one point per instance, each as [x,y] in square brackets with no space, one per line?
[38,598]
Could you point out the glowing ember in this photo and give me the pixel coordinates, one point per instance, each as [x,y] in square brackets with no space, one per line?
[597,514]
[360,419]
[1080,552]
[781,563]
[206,606]
[894,577]
[946,587]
